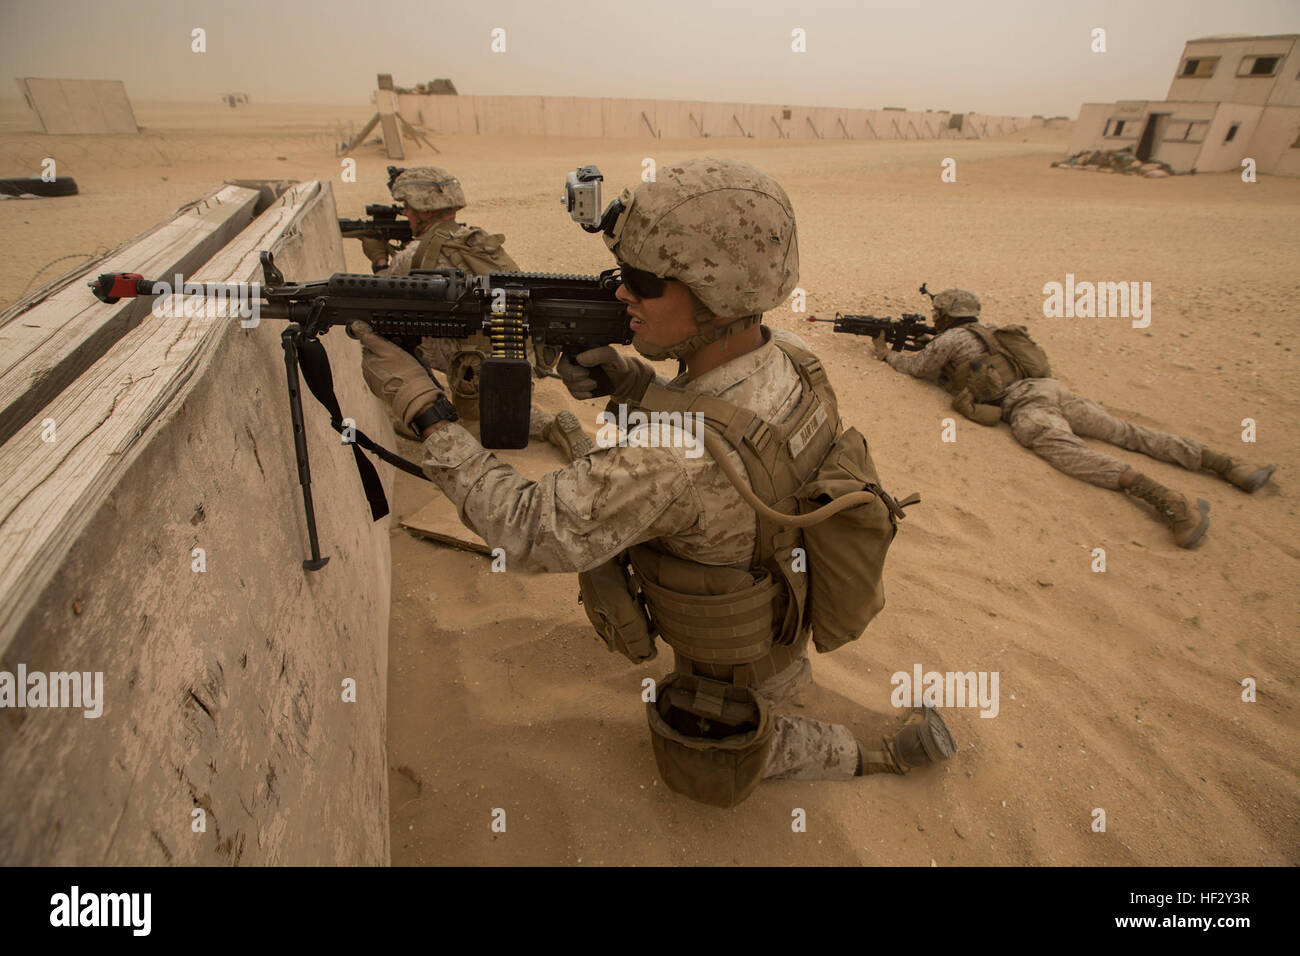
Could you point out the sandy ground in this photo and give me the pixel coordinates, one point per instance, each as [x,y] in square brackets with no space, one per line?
[1119,691]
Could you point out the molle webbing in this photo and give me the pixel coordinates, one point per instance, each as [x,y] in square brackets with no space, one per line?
[729,629]
[779,659]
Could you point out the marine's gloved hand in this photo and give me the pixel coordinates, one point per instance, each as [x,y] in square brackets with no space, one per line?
[376,250]
[880,346]
[629,377]
[395,376]
[965,403]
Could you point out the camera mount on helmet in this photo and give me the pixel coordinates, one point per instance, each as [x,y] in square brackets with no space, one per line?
[582,199]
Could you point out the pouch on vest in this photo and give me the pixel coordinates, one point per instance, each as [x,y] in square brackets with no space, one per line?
[1012,356]
[613,605]
[711,740]
[846,552]
[1026,354]
[476,252]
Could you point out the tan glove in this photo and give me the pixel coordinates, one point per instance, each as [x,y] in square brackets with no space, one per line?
[376,250]
[965,403]
[395,376]
[628,377]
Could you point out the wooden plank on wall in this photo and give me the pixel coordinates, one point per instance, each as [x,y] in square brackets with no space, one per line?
[221,686]
[45,347]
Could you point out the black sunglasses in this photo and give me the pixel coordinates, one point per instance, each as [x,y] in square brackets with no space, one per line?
[642,284]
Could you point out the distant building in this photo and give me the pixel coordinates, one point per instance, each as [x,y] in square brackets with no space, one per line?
[1232,97]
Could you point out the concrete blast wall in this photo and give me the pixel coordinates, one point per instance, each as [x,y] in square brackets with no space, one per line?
[686,119]
[79,106]
[222,686]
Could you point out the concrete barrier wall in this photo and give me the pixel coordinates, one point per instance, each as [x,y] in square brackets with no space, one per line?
[222,689]
[685,119]
[79,106]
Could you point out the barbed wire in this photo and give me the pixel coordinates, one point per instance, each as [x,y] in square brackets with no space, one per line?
[71,255]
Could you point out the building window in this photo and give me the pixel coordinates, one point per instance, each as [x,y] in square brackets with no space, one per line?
[1232,132]
[1258,65]
[1114,127]
[785,114]
[1199,67]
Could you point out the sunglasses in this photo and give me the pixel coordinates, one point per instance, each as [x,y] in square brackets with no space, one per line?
[642,284]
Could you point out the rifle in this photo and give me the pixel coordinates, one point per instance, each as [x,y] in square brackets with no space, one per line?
[570,313]
[383,224]
[906,334]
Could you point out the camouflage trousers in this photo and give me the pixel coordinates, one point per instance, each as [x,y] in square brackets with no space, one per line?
[1047,418]
[804,748]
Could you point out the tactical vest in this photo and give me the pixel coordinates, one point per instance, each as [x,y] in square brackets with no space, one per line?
[469,248]
[733,627]
[1012,355]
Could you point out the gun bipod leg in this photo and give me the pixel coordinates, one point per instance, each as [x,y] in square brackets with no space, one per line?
[289,340]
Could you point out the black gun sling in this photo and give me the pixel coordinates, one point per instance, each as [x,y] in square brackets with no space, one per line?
[315,365]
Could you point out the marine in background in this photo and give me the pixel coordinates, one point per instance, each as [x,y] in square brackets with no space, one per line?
[1000,374]
[431,197]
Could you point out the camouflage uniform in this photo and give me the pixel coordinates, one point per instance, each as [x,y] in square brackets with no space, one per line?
[1051,421]
[581,516]
[1048,418]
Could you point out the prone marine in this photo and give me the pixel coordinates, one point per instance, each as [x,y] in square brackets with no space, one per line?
[1000,374]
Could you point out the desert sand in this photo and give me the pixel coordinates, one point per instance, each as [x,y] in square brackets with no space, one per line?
[1118,690]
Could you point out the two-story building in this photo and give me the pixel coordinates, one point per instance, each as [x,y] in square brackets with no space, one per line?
[1232,98]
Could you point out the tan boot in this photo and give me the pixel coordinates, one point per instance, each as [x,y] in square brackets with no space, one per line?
[923,739]
[566,434]
[1188,523]
[1249,478]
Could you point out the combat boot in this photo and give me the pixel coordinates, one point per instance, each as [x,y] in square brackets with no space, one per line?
[1249,478]
[923,739]
[566,434]
[1188,523]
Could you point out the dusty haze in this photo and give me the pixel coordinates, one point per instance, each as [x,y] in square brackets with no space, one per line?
[1006,56]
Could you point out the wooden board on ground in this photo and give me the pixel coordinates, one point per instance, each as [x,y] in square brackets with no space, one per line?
[438,521]
[79,106]
[45,345]
[158,541]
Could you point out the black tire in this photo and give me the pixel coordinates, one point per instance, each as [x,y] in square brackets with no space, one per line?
[62,186]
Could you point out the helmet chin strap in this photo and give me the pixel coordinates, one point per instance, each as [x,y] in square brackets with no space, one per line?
[710,331]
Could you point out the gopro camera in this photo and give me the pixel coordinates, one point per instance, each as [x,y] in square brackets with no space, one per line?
[582,196]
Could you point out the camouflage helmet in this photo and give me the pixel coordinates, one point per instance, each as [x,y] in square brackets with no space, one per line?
[427,189]
[958,304]
[722,227]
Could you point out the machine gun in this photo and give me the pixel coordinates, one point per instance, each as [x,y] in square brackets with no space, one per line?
[906,334]
[568,313]
[382,224]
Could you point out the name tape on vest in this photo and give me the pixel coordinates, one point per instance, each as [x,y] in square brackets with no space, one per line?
[799,440]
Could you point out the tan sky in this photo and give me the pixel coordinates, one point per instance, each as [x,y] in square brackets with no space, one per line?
[998,56]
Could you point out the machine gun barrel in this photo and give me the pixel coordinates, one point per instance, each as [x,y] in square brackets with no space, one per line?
[909,333]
